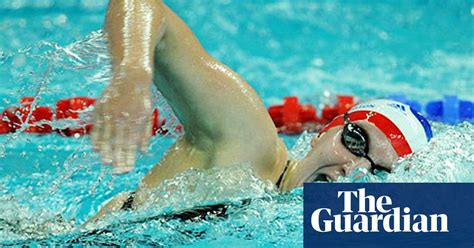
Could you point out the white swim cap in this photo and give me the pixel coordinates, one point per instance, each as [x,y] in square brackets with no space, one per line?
[406,129]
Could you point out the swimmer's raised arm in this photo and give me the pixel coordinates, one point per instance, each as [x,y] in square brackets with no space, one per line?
[222,116]
[225,121]
[122,118]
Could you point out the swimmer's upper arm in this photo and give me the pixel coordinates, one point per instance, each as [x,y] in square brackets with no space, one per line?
[224,119]
[220,112]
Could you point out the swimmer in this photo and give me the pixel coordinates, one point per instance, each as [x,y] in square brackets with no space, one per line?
[225,122]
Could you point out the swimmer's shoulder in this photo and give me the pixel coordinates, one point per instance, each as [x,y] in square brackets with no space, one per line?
[281,158]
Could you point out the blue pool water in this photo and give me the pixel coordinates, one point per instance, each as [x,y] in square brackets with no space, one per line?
[312,49]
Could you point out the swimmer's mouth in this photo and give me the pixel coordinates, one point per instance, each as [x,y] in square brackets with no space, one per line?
[322,178]
[319,176]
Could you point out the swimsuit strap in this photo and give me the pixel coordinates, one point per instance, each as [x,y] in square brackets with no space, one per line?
[282,174]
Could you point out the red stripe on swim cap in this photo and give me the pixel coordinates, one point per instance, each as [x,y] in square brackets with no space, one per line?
[384,124]
[337,121]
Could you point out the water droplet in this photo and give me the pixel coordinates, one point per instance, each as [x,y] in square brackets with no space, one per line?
[60,20]
[318,62]
[19,60]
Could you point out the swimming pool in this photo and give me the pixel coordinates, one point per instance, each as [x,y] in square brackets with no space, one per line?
[50,49]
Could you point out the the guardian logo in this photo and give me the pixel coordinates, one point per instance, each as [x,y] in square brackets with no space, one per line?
[374,215]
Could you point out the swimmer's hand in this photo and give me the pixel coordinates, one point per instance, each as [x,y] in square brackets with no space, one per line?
[122,122]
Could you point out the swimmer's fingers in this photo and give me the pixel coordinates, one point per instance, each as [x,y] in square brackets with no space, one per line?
[135,138]
[119,156]
[101,132]
[97,128]
[130,156]
[105,133]
[106,142]
[145,139]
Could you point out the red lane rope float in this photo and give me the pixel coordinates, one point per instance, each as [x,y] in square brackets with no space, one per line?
[4,127]
[70,109]
[290,118]
[293,118]
[66,109]
[14,117]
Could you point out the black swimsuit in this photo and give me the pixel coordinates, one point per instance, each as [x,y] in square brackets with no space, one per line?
[196,213]
[280,179]
[203,211]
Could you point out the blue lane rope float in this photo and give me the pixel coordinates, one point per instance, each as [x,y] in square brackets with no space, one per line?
[450,109]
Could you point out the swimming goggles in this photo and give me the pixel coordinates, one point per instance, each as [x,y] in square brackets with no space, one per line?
[355,139]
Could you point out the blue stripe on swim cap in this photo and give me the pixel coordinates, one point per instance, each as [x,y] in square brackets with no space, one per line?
[424,123]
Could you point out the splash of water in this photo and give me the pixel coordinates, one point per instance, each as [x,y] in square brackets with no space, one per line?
[37,204]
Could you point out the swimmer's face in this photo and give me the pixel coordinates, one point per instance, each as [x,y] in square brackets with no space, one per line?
[329,159]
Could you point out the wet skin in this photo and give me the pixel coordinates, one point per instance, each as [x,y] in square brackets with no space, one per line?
[329,159]
[225,121]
